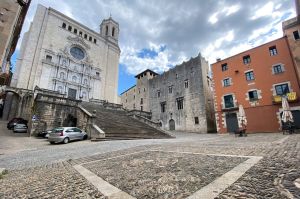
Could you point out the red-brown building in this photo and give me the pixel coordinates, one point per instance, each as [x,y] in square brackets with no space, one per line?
[256,79]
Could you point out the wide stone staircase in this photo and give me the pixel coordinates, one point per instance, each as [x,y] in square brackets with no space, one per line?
[117,125]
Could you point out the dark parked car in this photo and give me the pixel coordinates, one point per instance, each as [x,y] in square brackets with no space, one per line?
[17,120]
[44,134]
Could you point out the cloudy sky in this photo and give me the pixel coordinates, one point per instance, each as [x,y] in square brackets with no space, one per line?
[158,34]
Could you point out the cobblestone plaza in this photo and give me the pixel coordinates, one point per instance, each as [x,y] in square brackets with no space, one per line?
[193,166]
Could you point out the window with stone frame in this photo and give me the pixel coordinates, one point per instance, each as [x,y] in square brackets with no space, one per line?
[163,107]
[74,79]
[273,51]
[62,75]
[64,25]
[179,102]
[277,69]
[142,101]
[282,89]
[85,81]
[158,93]
[196,120]
[226,82]
[170,89]
[246,59]
[253,96]
[228,101]
[69,28]
[95,41]
[224,67]
[296,35]
[186,83]
[249,76]
[75,30]
[48,58]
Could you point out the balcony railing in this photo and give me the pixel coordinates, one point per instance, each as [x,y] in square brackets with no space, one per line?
[291,97]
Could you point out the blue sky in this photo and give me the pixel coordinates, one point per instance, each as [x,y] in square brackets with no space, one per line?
[158,35]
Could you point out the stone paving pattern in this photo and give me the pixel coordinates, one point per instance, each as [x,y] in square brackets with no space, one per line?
[41,170]
[156,174]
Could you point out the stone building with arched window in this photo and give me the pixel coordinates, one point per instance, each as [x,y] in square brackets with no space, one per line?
[60,54]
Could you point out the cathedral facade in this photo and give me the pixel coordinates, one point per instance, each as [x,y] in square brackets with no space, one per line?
[60,54]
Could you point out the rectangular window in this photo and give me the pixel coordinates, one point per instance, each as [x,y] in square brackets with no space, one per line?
[80,33]
[141,108]
[226,82]
[249,76]
[48,58]
[95,41]
[163,107]
[179,103]
[70,28]
[224,67]
[64,25]
[228,101]
[296,35]
[75,30]
[90,38]
[282,89]
[196,120]
[277,69]
[85,36]
[170,89]
[134,97]
[247,59]
[253,95]
[273,51]
[141,100]
[97,74]
[158,93]
[186,84]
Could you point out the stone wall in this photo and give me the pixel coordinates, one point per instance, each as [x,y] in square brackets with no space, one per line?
[188,82]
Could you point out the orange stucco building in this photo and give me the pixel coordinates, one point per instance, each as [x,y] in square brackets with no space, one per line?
[256,79]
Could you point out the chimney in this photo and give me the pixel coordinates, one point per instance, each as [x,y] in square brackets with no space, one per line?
[218,59]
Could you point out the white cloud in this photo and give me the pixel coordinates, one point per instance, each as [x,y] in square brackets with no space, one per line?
[213,18]
[231,9]
[266,10]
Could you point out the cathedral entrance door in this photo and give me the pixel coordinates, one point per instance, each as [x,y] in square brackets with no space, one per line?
[172,125]
[72,93]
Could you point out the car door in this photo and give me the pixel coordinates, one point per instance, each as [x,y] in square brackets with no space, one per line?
[78,133]
[70,133]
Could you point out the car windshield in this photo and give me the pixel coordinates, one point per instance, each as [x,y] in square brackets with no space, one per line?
[57,130]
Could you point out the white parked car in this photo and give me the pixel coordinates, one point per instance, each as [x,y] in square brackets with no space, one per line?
[20,128]
[66,134]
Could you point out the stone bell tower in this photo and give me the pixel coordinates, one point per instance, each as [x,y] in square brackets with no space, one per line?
[109,29]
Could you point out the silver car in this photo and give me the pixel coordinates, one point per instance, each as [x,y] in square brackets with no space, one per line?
[66,134]
[20,128]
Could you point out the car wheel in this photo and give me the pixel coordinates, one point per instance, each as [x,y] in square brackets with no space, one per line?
[52,142]
[85,137]
[66,141]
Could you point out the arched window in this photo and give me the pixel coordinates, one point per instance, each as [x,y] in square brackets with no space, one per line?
[74,79]
[106,30]
[59,89]
[84,95]
[62,75]
[113,32]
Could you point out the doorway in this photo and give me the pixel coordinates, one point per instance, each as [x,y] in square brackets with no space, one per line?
[172,125]
[72,93]
[232,122]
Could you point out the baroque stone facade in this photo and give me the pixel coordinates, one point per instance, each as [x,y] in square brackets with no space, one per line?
[179,99]
[60,54]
